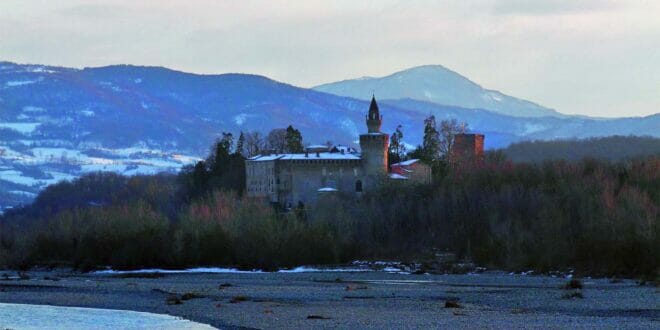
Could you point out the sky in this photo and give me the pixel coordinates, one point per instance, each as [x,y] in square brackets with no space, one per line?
[588,57]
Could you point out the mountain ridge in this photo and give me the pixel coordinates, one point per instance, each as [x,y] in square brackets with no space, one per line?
[58,123]
[438,84]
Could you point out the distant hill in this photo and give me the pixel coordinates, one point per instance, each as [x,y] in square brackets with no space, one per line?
[609,148]
[59,123]
[436,84]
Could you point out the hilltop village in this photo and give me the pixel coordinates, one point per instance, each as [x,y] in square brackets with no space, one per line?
[299,179]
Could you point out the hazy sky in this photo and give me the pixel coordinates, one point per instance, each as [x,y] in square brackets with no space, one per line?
[599,58]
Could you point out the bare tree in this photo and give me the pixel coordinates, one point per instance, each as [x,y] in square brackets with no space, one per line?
[448,131]
[277,140]
[254,143]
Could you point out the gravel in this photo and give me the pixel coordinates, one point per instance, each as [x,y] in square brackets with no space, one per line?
[351,300]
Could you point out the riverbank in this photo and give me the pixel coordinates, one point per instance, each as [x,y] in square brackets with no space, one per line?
[348,299]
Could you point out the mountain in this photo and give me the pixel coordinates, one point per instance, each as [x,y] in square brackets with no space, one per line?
[436,84]
[58,123]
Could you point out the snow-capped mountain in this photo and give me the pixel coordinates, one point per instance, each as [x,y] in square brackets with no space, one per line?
[58,123]
[436,84]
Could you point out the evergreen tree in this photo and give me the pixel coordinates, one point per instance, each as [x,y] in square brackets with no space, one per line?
[397,150]
[240,145]
[294,140]
[431,143]
[219,158]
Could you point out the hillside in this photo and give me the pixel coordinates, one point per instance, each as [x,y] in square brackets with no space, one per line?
[436,84]
[58,123]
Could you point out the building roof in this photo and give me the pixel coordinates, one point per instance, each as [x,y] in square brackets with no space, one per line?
[327,189]
[397,176]
[310,156]
[406,163]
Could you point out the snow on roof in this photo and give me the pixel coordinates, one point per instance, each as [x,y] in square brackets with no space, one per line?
[406,163]
[310,156]
[396,176]
[317,146]
[327,189]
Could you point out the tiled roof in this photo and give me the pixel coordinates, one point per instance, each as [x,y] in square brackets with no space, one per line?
[310,156]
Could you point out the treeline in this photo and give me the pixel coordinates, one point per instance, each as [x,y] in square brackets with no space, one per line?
[595,216]
[612,148]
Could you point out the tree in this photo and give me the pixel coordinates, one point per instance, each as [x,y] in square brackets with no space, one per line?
[276,140]
[294,140]
[397,150]
[219,158]
[448,131]
[240,145]
[431,143]
[254,143]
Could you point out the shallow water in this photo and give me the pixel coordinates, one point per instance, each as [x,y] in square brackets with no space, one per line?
[22,316]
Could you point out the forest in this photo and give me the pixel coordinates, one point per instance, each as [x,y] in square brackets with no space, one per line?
[597,216]
[614,148]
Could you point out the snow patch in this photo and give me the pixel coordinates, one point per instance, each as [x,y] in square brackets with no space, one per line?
[533,128]
[305,269]
[39,69]
[30,108]
[24,128]
[18,178]
[202,270]
[17,83]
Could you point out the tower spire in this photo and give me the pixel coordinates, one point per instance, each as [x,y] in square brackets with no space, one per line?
[374,119]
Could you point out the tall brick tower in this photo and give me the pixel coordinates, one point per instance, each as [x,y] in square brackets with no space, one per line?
[374,144]
[468,148]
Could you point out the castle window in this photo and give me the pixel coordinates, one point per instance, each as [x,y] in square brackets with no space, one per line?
[358,186]
[355,171]
[324,171]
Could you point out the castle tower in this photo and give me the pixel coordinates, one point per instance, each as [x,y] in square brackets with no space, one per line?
[374,144]
[468,148]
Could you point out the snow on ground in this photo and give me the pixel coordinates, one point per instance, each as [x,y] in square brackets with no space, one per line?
[211,270]
[533,128]
[23,316]
[24,128]
[23,193]
[219,270]
[30,108]
[306,269]
[17,83]
[18,178]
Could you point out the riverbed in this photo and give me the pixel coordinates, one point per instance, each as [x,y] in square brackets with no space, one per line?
[347,299]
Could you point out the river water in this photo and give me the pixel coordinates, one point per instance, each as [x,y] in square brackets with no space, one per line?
[20,316]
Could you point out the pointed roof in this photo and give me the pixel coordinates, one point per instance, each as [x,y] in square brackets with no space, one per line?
[374,113]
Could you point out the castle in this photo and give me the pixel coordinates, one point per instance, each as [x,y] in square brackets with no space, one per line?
[294,179]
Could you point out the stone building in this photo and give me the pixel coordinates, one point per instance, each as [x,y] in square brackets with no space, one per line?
[290,179]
